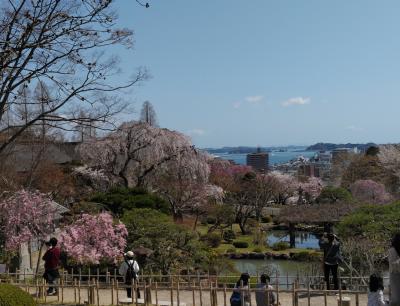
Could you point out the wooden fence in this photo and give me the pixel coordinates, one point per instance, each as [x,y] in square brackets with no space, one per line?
[161,290]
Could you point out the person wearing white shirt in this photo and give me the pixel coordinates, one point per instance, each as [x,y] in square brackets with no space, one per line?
[375,295]
[129,269]
[394,270]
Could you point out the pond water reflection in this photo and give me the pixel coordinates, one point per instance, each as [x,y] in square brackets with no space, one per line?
[304,240]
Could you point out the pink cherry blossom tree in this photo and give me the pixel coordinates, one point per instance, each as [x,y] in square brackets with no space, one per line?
[310,189]
[26,215]
[370,191]
[136,153]
[286,186]
[94,239]
[389,156]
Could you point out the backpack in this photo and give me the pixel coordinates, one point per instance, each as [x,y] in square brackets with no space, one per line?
[236,299]
[130,274]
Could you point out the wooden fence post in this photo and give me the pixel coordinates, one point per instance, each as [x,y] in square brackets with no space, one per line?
[156,294]
[193,287]
[117,292]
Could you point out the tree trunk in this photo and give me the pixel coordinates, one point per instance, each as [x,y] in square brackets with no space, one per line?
[195,222]
[292,235]
[178,216]
[242,226]
[39,258]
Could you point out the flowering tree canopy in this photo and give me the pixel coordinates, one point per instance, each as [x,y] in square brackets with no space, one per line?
[26,215]
[94,239]
[311,189]
[183,182]
[286,186]
[389,156]
[370,191]
[137,153]
[223,173]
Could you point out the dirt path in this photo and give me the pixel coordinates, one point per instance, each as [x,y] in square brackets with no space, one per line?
[70,295]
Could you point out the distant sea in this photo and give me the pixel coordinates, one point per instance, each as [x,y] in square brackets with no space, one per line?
[275,157]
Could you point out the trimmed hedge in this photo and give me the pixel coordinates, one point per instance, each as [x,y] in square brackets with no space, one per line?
[229,235]
[280,246]
[213,240]
[13,296]
[240,244]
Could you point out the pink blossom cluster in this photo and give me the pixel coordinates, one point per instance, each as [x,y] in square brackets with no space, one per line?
[313,187]
[369,191]
[94,238]
[26,215]
[222,168]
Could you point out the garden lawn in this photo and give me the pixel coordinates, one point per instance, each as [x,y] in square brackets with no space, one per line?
[225,247]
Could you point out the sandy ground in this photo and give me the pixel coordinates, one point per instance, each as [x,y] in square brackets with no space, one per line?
[69,295]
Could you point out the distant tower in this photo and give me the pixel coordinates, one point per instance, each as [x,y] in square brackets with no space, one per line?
[259,161]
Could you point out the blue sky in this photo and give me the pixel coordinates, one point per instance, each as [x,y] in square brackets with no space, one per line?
[261,72]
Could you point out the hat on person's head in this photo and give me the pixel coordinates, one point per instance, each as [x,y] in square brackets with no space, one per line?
[130,254]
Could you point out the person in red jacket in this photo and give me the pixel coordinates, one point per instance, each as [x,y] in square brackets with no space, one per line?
[51,264]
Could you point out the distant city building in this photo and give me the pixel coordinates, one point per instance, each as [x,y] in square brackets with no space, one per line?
[308,170]
[259,161]
[323,157]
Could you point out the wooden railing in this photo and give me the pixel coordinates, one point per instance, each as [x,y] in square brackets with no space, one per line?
[194,290]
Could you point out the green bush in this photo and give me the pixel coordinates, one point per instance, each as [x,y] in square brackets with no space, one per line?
[240,244]
[280,246]
[231,250]
[14,296]
[305,256]
[229,235]
[213,240]
[257,250]
[210,220]
[330,194]
[120,199]
[266,219]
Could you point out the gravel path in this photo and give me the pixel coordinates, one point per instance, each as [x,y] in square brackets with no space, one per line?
[186,297]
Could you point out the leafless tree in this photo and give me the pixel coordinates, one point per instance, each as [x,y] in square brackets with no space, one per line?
[148,114]
[63,44]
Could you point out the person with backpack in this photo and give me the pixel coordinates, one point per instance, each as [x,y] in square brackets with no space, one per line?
[130,269]
[241,295]
[51,264]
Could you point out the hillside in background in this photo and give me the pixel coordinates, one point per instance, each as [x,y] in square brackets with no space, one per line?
[322,146]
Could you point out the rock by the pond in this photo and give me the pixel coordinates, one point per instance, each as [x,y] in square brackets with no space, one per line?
[255,255]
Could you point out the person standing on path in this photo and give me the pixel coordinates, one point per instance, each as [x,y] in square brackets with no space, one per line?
[130,269]
[330,244]
[375,294]
[394,270]
[264,297]
[51,264]
[241,295]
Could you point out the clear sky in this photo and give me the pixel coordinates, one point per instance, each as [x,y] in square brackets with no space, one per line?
[263,72]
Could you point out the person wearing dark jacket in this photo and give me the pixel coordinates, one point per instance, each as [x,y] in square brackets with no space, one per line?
[51,264]
[330,244]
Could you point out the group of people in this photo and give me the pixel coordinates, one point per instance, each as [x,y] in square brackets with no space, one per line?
[129,268]
[330,244]
[264,294]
